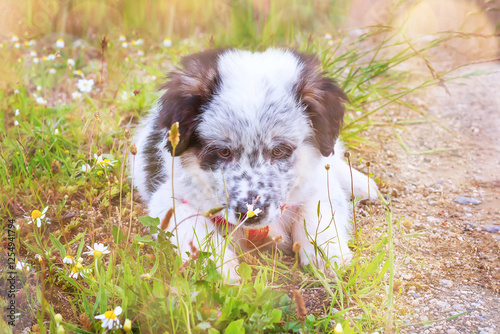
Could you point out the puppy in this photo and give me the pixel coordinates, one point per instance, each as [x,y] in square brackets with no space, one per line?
[256,132]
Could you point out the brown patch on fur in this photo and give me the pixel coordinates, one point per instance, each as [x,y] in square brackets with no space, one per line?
[324,101]
[166,219]
[189,88]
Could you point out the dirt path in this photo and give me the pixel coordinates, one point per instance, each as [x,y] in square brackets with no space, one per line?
[454,266]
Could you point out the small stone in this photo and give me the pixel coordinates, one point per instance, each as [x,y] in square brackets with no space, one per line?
[452,331]
[431,202]
[442,305]
[491,228]
[433,220]
[467,200]
[459,307]
[446,282]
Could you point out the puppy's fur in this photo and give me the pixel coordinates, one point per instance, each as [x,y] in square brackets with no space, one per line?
[251,124]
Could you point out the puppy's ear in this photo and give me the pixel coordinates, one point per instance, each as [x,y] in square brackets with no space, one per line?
[189,88]
[324,102]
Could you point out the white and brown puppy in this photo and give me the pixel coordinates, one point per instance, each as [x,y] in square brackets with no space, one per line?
[255,129]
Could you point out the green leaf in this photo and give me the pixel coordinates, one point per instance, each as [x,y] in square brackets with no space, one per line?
[235,327]
[212,273]
[147,239]
[149,221]
[276,315]
[204,325]
[118,235]
[58,245]
[245,271]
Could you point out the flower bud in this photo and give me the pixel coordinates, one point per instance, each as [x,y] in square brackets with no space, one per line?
[327,166]
[133,149]
[296,247]
[127,325]
[174,135]
[58,318]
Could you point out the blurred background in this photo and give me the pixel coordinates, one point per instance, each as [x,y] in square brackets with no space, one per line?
[244,22]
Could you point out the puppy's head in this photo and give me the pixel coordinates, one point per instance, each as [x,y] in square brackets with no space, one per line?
[252,125]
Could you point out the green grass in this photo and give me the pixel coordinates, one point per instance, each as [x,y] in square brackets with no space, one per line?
[42,159]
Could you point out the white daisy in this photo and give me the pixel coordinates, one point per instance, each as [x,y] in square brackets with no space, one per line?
[124,44]
[79,73]
[50,57]
[167,42]
[104,162]
[52,71]
[85,85]
[17,45]
[76,95]
[37,217]
[38,257]
[60,43]
[33,53]
[17,112]
[140,53]
[16,123]
[124,96]
[16,92]
[38,88]
[328,36]
[31,43]
[76,271]
[41,100]
[251,212]
[71,62]
[35,60]
[56,132]
[69,259]
[139,42]
[110,318]
[86,168]
[22,266]
[122,38]
[14,39]
[98,250]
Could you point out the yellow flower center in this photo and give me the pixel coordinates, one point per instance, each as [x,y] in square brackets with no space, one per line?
[106,162]
[70,257]
[110,315]
[250,214]
[35,214]
[97,253]
[75,269]
[99,173]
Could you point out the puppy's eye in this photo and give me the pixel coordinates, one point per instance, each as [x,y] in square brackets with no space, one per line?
[281,152]
[224,153]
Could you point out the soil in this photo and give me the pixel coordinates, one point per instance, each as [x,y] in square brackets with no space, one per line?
[453,265]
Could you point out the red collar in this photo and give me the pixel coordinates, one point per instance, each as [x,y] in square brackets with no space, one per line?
[255,237]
